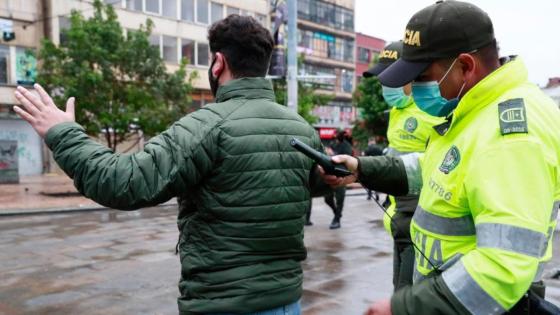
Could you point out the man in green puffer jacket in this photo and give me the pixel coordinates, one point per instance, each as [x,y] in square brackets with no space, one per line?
[242,190]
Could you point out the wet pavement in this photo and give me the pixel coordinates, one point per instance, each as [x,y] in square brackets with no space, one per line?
[111,262]
[40,193]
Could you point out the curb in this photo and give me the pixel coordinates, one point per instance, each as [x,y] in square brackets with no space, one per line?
[63,210]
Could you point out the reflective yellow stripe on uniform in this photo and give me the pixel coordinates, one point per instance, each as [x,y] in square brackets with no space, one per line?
[469,293]
[511,238]
[413,169]
[461,226]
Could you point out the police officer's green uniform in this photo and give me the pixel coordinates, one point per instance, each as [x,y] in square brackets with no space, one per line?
[408,131]
[490,190]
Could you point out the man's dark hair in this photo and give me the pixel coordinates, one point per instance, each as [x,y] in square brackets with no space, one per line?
[245,43]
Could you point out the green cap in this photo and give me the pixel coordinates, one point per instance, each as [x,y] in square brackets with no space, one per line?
[442,30]
[388,55]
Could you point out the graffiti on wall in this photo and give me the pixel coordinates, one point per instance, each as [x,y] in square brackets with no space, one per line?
[28,145]
[8,162]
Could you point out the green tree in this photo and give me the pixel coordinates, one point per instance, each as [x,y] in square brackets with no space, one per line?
[119,81]
[372,108]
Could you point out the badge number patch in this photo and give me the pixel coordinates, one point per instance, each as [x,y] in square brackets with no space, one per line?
[513,118]
[451,160]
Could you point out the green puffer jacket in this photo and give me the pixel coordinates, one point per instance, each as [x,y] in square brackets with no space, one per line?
[242,190]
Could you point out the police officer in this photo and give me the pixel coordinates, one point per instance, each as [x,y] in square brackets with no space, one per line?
[408,131]
[489,178]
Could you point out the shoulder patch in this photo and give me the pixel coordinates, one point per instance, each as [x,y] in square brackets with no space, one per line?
[513,118]
[451,160]
[411,124]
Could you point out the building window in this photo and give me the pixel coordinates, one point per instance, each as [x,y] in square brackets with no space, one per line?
[155,41]
[348,20]
[348,51]
[246,13]
[327,14]
[187,10]
[116,3]
[232,10]
[322,81]
[187,50]
[347,80]
[169,8]
[4,65]
[217,12]
[202,11]
[170,49]
[152,6]
[135,5]
[326,45]
[203,54]
[363,55]
[63,25]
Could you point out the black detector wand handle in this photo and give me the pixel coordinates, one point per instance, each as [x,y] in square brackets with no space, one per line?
[330,167]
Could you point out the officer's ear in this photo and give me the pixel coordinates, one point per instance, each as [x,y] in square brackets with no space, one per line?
[470,67]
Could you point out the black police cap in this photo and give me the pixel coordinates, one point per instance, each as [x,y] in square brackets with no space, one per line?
[388,55]
[442,30]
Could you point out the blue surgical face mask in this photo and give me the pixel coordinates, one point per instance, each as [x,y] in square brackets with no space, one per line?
[427,97]
[395,97]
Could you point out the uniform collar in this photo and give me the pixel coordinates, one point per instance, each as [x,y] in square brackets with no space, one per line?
[246,88]
[491,87]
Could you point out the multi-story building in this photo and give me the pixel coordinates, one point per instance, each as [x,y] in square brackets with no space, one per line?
[180,31]
[327,39]
[21,30]
[367,51]
[180,28]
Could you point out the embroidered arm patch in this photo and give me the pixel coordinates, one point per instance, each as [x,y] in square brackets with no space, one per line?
[513,118]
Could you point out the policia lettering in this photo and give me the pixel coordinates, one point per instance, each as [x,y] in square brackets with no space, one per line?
[389,54]
[412,38]
[434,248]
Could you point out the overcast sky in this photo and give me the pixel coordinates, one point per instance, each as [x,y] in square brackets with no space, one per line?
[530,29]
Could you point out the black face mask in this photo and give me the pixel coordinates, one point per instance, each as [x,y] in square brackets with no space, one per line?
[213,80]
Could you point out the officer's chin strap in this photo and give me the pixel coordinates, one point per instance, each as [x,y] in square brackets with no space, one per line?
[435,268]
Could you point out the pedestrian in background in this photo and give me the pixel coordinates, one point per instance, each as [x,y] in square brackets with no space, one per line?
[335,198]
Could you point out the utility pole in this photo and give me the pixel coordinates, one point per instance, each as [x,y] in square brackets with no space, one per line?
[292,56]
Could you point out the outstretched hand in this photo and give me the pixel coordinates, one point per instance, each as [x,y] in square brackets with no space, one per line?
[351,164]
[41,112]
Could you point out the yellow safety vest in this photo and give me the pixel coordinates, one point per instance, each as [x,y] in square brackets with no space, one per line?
[489,199]
[408,131]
